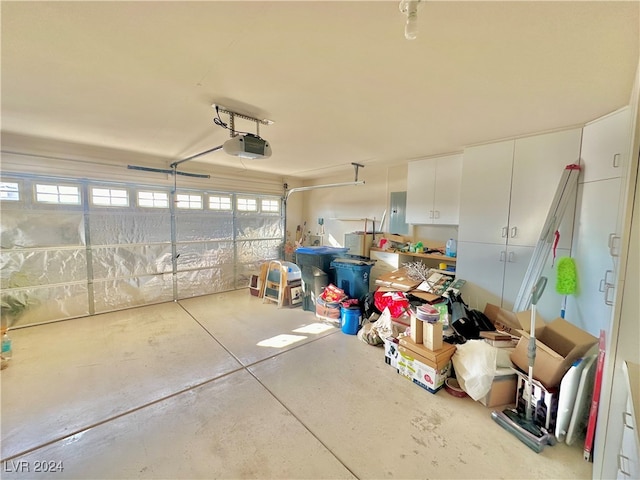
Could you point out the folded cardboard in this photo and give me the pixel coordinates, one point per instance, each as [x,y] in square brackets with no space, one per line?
[497,335]
[426,296]
[558,345]
[503,389]
[511,322]
[398,279]
[436,357]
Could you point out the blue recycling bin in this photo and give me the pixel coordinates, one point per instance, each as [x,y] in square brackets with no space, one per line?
[352,275]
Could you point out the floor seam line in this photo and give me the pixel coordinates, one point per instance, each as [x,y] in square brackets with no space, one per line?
[120,415]
[277,354]
[304,425]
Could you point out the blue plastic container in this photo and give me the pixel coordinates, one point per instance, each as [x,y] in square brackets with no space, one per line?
[350,319]
[352,276]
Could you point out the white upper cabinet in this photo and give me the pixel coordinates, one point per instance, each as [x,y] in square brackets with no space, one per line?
[508,187]
[605,147]
[484,193]
[433,190]
[538,165]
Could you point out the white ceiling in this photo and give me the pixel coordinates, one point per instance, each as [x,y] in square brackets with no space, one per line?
[338,78]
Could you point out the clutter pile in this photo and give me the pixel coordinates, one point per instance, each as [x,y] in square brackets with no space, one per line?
[431,337]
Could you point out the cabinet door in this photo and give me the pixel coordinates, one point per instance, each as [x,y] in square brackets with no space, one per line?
[484,193]
[595,222]
[538,165]
[605,146]
[420,181]
[446,203]
[516,262]
[628,461]
[482,266]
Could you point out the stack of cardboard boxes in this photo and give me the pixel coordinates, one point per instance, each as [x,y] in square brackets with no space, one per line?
[425,359]
[558,345]
[422,357]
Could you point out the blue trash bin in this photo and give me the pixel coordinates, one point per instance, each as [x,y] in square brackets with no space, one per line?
[352,276]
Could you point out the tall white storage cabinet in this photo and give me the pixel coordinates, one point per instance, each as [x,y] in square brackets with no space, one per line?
[506,192]
[433,190]
[605,153]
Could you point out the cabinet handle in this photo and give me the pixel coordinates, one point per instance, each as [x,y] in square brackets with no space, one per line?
[606,278]
[616,160]
[511,257]
[613,240]
[628,425]
[607,289]
[437,212]
[430,213]
[502,256]
[505,231]
[621,467]
[514,232]
[602,282]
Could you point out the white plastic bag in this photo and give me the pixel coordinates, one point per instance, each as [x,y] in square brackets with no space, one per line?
[374,333]
[475,365]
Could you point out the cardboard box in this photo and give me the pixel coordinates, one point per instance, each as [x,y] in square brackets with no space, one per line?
[421,371]
[416,330]
[398,280]
[438,358]
[544,402]
[396,238]
[391,352]
[503,389]
[511,322]
[558,345]
[432,335]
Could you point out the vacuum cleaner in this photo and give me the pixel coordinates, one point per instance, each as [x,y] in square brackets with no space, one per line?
[513,421]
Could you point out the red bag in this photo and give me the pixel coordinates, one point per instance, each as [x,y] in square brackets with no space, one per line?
[396,302]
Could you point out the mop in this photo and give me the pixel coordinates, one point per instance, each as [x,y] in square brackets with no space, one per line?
[524,427]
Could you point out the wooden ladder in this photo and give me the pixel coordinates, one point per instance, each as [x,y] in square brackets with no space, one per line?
[275,284]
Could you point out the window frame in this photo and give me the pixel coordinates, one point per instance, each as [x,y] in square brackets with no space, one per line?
[17,192]
[58,193]
[153,200]
[109,197]
[189,201]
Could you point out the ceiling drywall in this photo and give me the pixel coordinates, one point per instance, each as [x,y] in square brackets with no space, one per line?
[339,79]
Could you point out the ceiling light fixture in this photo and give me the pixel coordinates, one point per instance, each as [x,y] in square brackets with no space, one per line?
[410,9]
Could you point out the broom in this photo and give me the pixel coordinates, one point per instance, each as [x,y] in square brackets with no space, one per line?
[566,280]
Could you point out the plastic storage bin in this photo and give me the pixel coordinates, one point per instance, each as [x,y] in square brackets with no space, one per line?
[352,276]
[350,318]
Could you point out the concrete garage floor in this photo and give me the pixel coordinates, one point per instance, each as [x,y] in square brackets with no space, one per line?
[185,390]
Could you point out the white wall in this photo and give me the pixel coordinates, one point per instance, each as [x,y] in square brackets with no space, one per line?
[345,208]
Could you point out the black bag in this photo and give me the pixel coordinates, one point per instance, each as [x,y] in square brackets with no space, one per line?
[481,321]
[461,322]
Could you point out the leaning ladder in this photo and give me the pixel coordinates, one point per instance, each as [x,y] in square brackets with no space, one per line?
[565,192]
